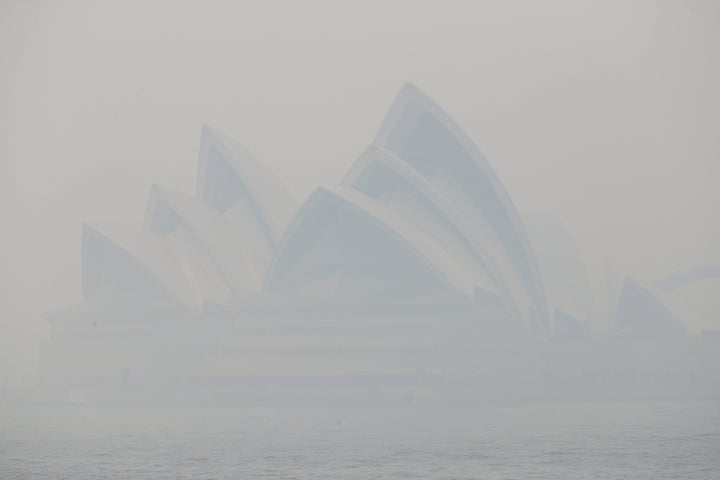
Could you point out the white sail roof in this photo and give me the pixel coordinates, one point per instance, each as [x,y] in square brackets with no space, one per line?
[218,249]
[238,185]
[424,136]
[193,250]
[345,244]
[419,216]
[391,182]
[136,264]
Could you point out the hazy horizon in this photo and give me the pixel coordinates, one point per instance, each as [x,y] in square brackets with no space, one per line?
[604,114]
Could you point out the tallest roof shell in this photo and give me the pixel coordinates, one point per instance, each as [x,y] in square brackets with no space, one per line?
[418,131]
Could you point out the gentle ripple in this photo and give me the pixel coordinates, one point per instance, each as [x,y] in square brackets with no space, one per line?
[577,441]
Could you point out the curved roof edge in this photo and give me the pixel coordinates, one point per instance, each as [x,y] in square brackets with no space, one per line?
[481,247]
[563,269]
[270,195]
[207,225]
[638,305]
[414,240]
[152,254]
[409,94]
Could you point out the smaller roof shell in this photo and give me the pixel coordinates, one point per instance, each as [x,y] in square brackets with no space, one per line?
[223,240]
[272,199]
[149,253]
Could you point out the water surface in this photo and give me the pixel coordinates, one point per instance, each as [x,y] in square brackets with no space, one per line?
[575,441]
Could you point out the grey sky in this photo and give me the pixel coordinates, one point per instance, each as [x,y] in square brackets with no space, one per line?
[605,114]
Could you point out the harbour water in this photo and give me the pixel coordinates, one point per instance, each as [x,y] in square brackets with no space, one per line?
[666,440]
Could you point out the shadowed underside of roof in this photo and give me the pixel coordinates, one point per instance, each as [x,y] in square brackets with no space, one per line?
[193,250]
[564,273]
[222,253]
[345,247]
[241,187]
[420,133]
[399,188]
[134,265]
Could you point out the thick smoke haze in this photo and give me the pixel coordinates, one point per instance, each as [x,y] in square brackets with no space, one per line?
[604,114]
[257,240]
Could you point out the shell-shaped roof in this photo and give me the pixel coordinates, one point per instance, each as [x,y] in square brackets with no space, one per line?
[422,134]
[339,233]
[229,173]
[421,215]
[136,261]
[195,249]
[220,246]
[391,182]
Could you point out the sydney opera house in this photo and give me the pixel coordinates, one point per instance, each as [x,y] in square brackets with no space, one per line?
[414,275]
